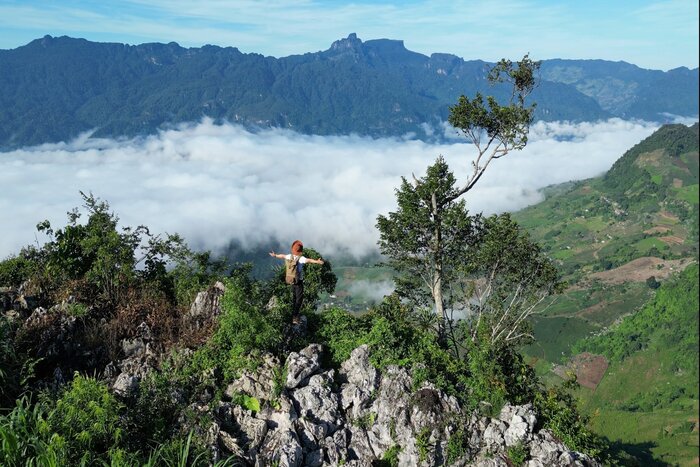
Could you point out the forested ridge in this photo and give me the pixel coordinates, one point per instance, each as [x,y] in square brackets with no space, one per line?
[54,88]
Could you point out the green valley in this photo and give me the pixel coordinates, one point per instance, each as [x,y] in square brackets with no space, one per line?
[627,243]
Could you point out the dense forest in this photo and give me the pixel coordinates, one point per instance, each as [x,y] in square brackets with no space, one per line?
[55,88]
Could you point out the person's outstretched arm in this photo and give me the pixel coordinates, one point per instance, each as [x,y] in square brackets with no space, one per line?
[277,255]
[314,261]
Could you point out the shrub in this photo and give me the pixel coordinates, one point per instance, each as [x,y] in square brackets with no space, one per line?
[518,454]
[86,421]
[390,457]
[340,332]
[10,363]
[82,427]
[161,397]
[246,329]
[423,444]
[457,446]
[180,453]
[15,270]
[558,412]
[24,434]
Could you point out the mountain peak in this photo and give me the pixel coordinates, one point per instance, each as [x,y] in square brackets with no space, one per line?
[349,43]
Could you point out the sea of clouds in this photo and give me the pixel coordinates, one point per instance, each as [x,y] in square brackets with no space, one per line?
[220,183]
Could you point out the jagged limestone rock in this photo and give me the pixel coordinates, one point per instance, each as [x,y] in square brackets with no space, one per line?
[362,382]
[258,384]
[303,365]
[126,385]
[252,430]
[281,417]
[336,446]
[354,416]
[132,347]
[310,433]
[318,404]
[281,447]
[207,303]
[230,443]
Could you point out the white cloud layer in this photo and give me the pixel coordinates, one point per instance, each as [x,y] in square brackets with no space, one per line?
[217,183]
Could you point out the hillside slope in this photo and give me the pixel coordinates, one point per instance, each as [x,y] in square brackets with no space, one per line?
[650,391]
[618,238]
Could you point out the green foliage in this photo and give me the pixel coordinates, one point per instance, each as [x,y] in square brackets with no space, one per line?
[507,125]
[489,268]
[192,272]
[95,250]
[366,421]
[557,411]
[10,363]
[508,277]
[79,310]
[23,436]
[669,321]
[161,397]
[457,445]
[245,329]
[340,331]
[180,453]
[86,420]
[423,444]
[394,337]
[82,427]
[279,382]
[98,253]
[247,402]
[428,237]
[518,454]
[15,269]
[390,457]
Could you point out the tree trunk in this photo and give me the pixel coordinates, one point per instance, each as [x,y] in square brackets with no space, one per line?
[437,251]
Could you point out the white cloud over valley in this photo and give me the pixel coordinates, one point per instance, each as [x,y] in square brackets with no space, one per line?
[217,183]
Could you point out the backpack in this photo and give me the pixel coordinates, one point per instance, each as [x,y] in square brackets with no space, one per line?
[292,273]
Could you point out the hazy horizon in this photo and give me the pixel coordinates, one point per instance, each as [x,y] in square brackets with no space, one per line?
[653,34]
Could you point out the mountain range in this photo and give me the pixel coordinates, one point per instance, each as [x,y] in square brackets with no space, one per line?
[55,88]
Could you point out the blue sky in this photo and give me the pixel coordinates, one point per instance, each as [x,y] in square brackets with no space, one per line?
[660,34]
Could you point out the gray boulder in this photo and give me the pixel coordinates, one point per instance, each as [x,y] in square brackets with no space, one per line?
[126,385]
[302,365]
[319,404]
[282,448]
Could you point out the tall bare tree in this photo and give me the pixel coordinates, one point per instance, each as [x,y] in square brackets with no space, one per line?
[495,129]
[430,236]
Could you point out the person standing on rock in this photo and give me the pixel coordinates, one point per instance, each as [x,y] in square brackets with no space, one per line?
[294,275]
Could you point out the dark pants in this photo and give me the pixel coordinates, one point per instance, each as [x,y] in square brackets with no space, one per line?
[298,297]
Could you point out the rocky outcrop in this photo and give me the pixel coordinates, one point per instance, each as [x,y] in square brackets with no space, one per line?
[139,359]
[206,305]
[299,413]
[357,416]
